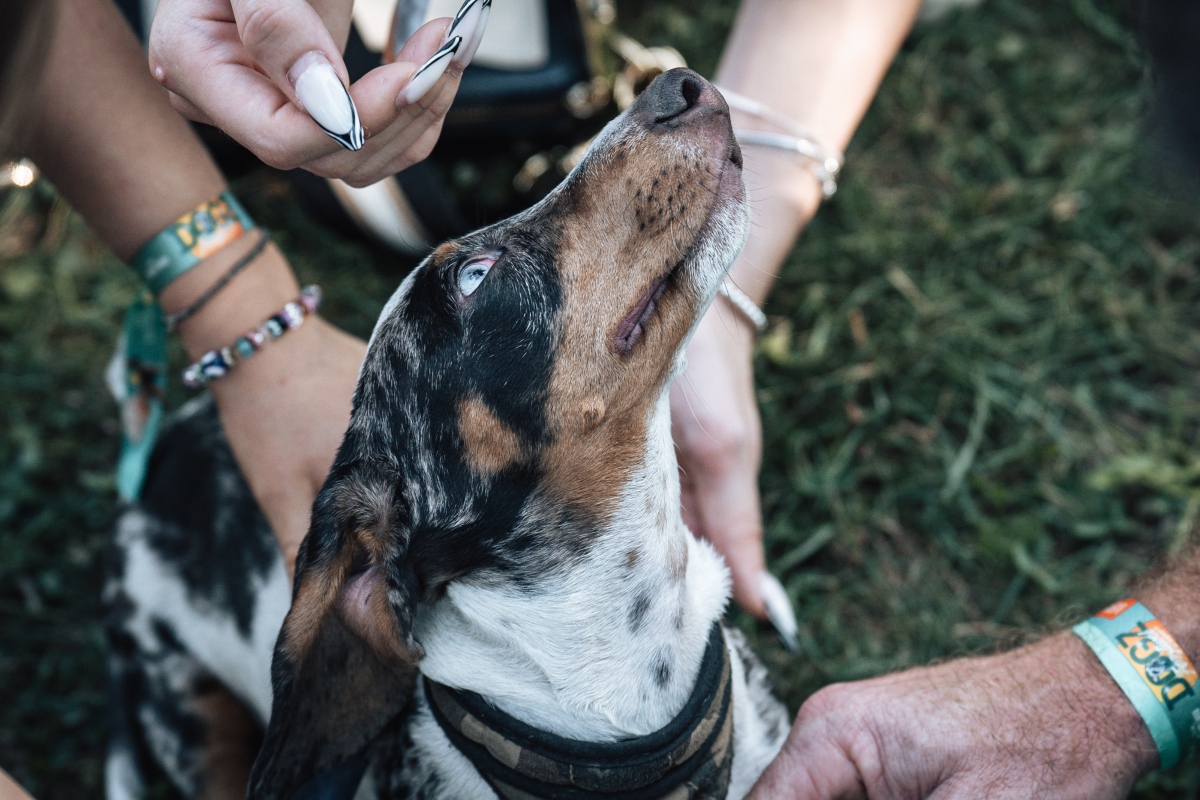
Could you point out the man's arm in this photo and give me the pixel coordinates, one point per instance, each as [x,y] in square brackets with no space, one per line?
[1046,721]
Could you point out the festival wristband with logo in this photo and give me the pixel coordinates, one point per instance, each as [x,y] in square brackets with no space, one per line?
[1153,672]
[190,239]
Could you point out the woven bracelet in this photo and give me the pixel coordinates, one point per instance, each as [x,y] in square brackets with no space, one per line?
[190,239]
[173,320]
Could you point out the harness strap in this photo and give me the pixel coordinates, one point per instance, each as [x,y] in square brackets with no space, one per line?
[689,759]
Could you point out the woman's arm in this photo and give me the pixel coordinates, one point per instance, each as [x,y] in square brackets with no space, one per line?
[108,138]
[10,790]
[819,63]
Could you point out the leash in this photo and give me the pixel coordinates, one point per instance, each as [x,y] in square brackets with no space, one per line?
[689,759]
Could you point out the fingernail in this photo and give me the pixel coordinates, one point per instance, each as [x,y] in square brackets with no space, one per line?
[779,608]
[326,99]
[428,74]
[469,24]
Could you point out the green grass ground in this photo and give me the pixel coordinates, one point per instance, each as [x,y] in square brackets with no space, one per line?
[979,391]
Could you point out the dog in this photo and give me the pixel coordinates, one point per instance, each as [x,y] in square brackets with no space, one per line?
[497,596]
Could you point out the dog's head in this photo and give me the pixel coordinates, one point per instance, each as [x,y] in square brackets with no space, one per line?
[503,404]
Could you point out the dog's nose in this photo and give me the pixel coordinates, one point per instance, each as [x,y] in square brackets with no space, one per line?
[677,95]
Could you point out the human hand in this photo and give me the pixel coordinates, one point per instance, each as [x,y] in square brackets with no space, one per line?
[718,440]
[285,410]
[1043,721]
[268,71]
[285,413]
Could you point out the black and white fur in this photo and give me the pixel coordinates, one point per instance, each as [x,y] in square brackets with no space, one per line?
[581,610]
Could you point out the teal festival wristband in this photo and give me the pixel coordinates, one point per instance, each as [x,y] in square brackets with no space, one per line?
[190,239]
[1152,670]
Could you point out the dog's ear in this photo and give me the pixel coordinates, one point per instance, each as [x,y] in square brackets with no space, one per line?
[345,661]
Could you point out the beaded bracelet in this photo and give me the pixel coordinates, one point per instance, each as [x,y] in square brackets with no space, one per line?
[216,363]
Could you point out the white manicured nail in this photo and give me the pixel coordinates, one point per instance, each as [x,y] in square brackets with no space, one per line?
[463,59]
[779,608]
[322,94]
[464,21]
[428,74]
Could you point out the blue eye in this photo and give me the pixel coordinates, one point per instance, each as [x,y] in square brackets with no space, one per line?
[473,274]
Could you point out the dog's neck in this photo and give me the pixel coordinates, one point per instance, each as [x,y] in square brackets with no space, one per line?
[606,649]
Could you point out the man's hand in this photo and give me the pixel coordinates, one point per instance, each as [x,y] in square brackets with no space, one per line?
[1044,721]
[236,64]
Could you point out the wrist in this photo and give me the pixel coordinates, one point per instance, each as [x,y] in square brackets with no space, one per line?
[1140,657]
[1125,743]
[790,181]
[784,197]
[256,293]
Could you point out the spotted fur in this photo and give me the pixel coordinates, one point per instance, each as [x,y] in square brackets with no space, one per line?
[503,513]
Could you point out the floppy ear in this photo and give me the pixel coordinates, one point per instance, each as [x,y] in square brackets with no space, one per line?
[345,661]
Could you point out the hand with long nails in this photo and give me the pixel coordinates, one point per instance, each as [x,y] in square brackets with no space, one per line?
[718,439]
[270,74]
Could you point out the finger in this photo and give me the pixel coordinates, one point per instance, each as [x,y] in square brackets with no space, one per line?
[407,140]
[396,126]
[727,503]
[202,59]
[397,159]
[431,55]
[722,471]
[291,45]
[469,23]
[187,110]
[812,765]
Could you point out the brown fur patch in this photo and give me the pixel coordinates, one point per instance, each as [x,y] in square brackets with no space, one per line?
[364,508]
[636,222]
[318,591]
[232,737]
[489,444]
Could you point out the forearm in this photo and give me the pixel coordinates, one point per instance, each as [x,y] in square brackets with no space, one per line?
[819,63]
[10,790]
[108,138]
[1085,691]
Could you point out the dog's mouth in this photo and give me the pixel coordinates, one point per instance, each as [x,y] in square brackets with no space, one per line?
[633,326]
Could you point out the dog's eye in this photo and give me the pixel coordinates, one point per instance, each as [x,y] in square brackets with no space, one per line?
[473,274]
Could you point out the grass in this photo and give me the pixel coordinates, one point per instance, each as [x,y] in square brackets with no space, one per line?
[979,391]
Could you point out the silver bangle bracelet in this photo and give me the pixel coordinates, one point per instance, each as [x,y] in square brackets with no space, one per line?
[824,168]
[742,303]
[824,162]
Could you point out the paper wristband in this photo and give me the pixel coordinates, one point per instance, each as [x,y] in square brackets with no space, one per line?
[1153,672]
[190,239]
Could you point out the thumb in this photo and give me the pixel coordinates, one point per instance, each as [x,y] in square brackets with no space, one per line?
[814,762]
[293,47]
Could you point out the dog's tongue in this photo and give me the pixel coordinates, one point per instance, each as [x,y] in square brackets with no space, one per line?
[630,330]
